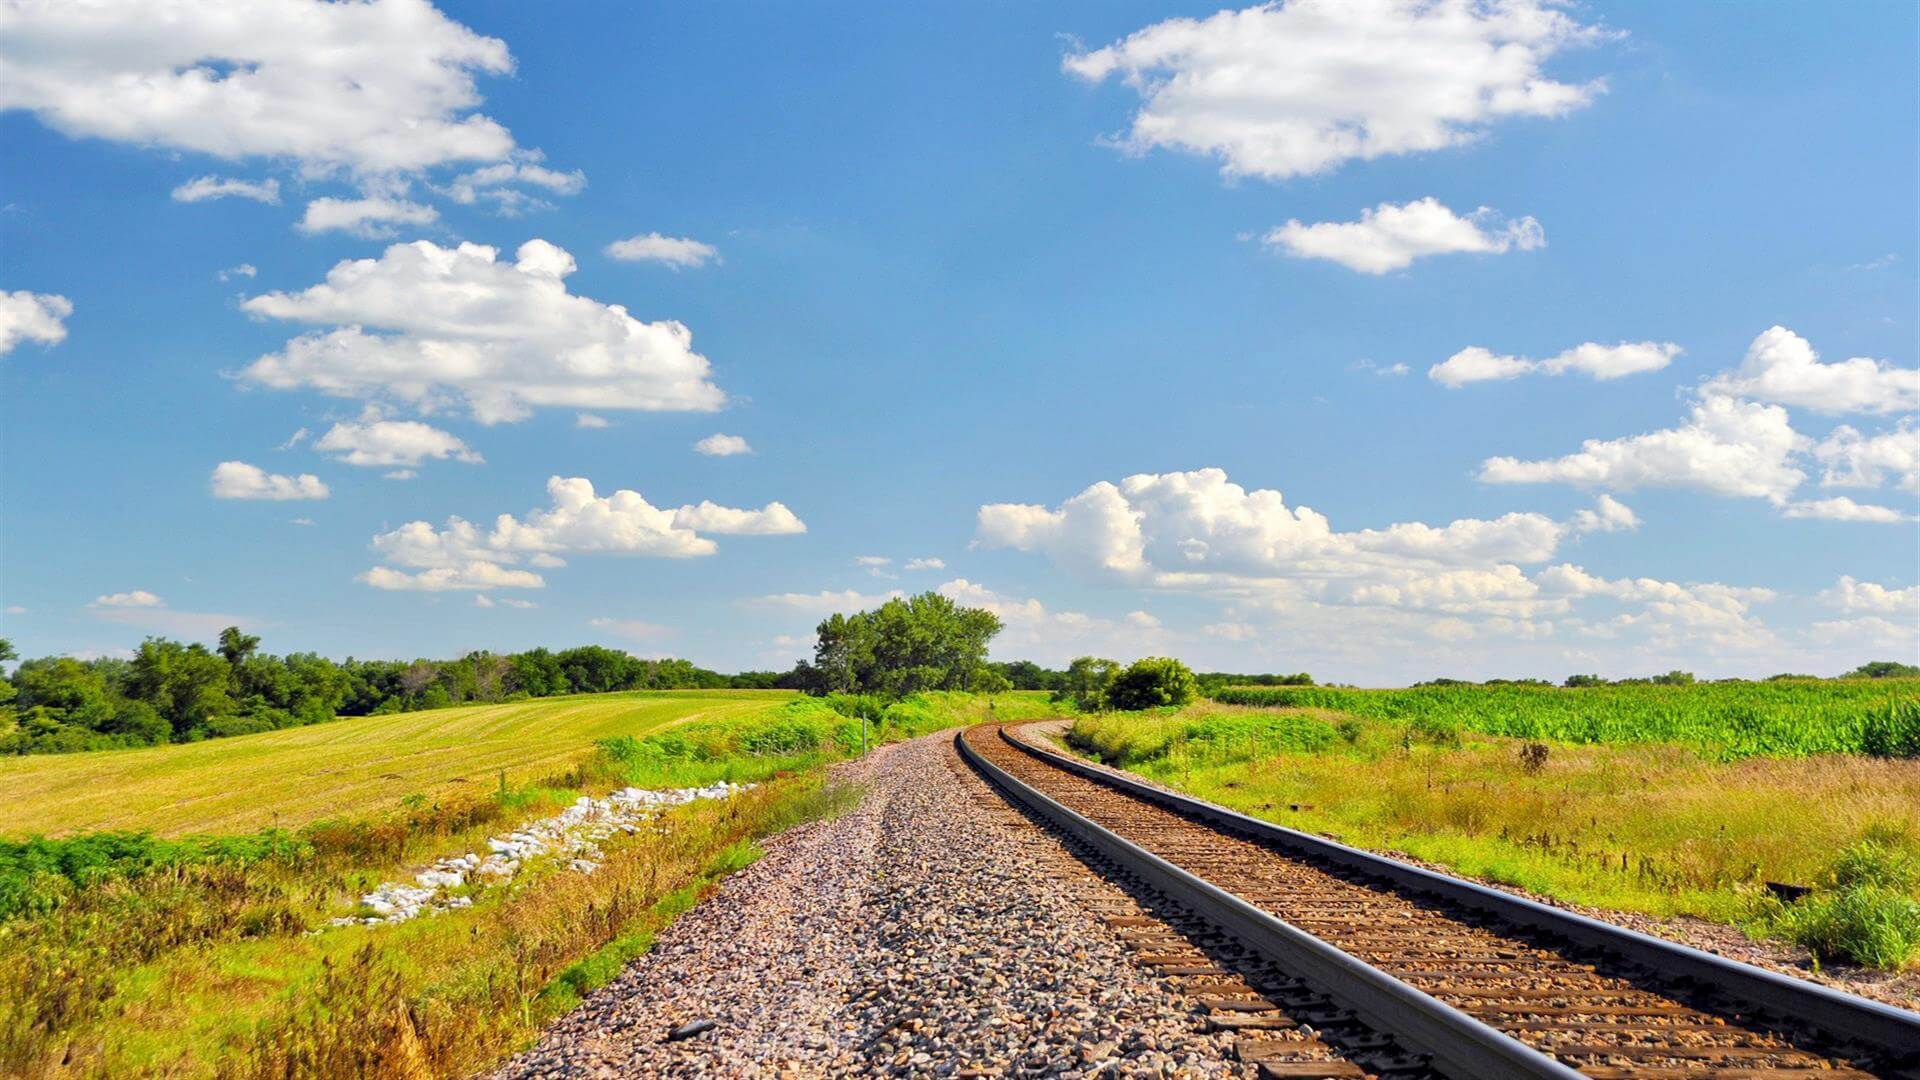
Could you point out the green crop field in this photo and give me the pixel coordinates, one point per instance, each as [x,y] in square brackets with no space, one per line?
[351,766]
[1783,718]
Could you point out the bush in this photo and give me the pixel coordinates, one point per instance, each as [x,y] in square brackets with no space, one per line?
[1150,683]
[1867,924]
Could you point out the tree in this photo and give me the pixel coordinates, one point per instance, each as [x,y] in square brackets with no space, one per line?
[1085,682]
[1883,669]
[1150,683]
[925,642]
[1584,680]
[186,684]
[236,647]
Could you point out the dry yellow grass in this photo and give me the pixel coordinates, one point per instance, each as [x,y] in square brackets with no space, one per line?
[353,766]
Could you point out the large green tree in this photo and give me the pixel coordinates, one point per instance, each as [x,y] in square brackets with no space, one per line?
[924,642]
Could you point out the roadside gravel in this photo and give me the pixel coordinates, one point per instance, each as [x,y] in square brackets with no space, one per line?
[928,932]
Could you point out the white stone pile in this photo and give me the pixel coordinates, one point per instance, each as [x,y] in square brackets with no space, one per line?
[573,835]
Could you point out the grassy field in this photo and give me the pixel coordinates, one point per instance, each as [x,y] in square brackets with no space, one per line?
[1659,828]
[1784,717]
[350,766]
[131,956]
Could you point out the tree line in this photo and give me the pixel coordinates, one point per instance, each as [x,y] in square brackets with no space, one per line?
[172,691]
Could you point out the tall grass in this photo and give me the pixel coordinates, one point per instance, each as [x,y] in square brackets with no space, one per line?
[1782,718]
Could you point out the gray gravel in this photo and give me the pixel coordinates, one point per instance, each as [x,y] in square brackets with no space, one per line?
[930,932]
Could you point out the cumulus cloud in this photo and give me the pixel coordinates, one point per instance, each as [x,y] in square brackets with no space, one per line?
[578,521]
[239,480]
[1390,237]
[371,218]
[1781,367]
[369,88]
[437,327]
[1286,574]
[31,316]
[1843,509]
[678,252]
[926,563]
[1850,595]
[496,183]
[773,519]
[1597,361]
[1299,87]
[718,445]
[1727,447]
[391,443]
[1608,515]
[136,598]
[202,188]
[1850,459]
[244,270]
[1030,630]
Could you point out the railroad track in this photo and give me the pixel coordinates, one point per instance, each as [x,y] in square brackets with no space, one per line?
[1483,983]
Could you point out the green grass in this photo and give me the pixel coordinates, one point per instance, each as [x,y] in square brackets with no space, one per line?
[1657,828]
[131,955]
[351,766]
[1783,718]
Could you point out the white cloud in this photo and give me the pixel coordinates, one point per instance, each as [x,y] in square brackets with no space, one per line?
[15,609]
[136,598]
[926,563]
[589,420]
[495,182]
[304,521]
[244,270]
[826,602]
[1727,447]
[1780,366]
[1850,459]
[1868,632]
[390,443]
[1843,509]
[1031,631]
[579,521]
[1388,371]
[1390,237]
[399,474]
[369,218]
[1608,515]
[1285,89]
[1850,595]
[202,188]
[434,327]
[872,560]
[239,480]
[633,629]
[718,445]
[370,88]
[675,251]
[473,575]
[1289,580]
[773,519]
[1475,364]
[31,316]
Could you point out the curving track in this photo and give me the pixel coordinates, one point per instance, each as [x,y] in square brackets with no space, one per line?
[1482,994]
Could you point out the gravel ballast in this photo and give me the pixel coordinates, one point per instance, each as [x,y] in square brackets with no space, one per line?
[931,931]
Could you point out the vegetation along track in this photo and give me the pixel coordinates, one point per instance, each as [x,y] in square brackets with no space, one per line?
[1487,984]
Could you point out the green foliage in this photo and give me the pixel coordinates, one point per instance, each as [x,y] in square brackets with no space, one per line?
[39,875]
[1867,909]
[1182,743]
[1152,682]
[1883,669]
[926,642]
[1085,683]
[1879,717]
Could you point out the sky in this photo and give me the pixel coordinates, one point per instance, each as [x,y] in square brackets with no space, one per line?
[1383,340]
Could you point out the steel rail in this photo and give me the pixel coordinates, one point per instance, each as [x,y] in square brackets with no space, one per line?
[1459,1045]
[1886,1028]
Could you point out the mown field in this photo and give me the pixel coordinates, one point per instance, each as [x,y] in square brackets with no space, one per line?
[353,765]
[1582,804]
[208,953]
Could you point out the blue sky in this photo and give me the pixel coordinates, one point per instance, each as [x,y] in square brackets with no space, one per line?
[956,274]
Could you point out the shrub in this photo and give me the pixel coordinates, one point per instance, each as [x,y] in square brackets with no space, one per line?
[1867,924]
[1150,683]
